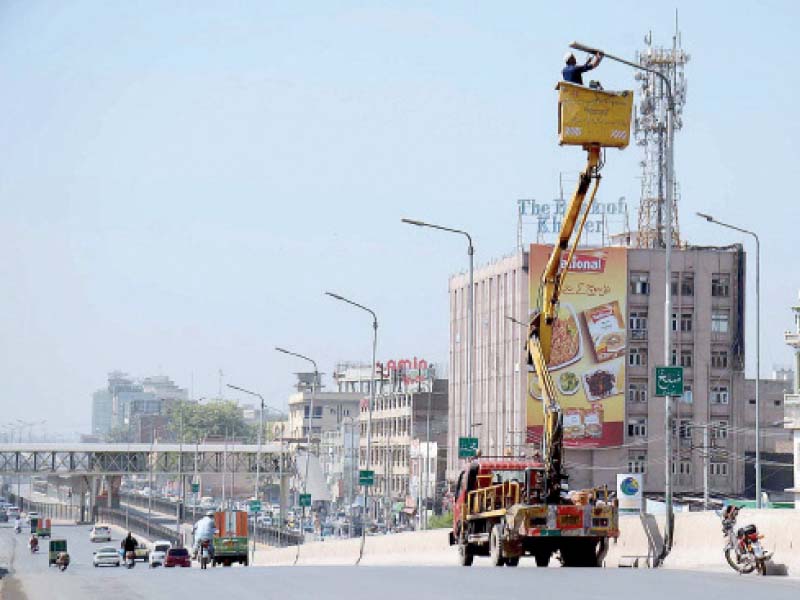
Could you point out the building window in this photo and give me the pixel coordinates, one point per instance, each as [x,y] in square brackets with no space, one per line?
[719,394]
[686,358]
[719,359]
[682,321]
[637,427]
[673,357]
[637,392]
[640,284]
[681,467]
[720,285]
[687,284]
[638,325]
[687,397]
[719,430]
[637,357]
[719,321]
[637,462]
[683,427]
[719,469]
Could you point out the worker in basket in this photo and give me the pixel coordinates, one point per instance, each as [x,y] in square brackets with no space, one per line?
[573,72]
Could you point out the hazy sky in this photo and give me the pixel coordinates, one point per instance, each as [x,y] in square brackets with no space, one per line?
[181,181]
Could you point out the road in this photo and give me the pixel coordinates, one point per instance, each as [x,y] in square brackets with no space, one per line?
[33,580]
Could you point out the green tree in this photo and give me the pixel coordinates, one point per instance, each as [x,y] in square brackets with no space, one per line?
[216,419]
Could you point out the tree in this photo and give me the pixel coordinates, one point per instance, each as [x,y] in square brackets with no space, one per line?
[221,419]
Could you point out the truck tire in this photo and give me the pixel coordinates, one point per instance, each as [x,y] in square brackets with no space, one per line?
[512,561]
[496,546]
[542,559]
[465,555]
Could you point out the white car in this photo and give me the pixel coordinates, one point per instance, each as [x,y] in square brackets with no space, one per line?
[159,552]
[106,556]
[12,511]
[100,533]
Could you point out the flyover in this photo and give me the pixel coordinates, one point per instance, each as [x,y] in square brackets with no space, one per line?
[130,459]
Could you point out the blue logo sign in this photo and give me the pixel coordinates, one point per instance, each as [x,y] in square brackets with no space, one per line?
[629,486]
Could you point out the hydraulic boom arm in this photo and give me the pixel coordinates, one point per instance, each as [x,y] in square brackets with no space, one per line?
[540,333]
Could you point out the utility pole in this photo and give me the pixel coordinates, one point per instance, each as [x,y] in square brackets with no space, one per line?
[706,466]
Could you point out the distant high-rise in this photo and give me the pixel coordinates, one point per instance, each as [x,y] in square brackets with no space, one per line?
[101,412]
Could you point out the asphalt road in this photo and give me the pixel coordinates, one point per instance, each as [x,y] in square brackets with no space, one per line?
[33,580]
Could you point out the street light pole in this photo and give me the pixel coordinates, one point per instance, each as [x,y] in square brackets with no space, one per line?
[310,426]
[258,459]
[711,219]
[470,312]
[373,385]
[667,276]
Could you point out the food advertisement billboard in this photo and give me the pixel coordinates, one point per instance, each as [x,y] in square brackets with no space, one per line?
[587,362]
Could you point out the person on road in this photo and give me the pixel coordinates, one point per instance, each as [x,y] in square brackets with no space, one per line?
[129,544]
[34,542]
[573,72]
[205,529]
[17,525]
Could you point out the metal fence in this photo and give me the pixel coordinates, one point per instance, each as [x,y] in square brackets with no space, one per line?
[272,536]
[50,510]
[138,525]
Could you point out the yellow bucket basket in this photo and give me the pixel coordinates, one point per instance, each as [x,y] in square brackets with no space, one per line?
[587,116]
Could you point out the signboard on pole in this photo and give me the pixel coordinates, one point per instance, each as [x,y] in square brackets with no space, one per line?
[305,499]
[669,381]
[467,447]
[195,488]
[629,492]
[255,506]
[366,478]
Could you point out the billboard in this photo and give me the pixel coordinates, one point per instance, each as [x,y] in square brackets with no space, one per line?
[589,347]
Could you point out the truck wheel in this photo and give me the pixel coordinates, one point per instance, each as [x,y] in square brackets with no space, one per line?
[512,561]
[496,546]
[465,555]
[542,559]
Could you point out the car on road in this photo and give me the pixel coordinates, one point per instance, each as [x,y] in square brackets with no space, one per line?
[106,556]
[159,552]
[177,557]
[100,533]
[13,512]
[33,515]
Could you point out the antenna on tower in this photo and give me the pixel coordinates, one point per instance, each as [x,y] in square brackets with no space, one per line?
[650,131]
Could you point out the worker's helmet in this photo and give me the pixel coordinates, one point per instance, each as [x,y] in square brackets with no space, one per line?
[210,513]
[568,56]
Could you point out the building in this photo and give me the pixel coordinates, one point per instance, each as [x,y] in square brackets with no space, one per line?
[338,457]
[408,413]
[707,333]
[101,412]
[331,409]
[128,399]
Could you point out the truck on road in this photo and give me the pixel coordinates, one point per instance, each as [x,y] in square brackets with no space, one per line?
[230,541]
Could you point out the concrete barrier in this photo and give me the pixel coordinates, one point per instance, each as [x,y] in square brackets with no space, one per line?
[332,552]
[410,548]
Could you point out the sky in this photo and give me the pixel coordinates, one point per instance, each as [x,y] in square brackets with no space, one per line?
[180,182]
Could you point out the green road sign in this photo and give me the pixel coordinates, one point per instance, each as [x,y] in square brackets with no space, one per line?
[366,478]
[669,381]
[195,488]
[255,506]
[467,447]
[305,499]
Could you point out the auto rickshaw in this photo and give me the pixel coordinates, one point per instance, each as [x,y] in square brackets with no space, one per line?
[34,522]
[43,528]
[54,549]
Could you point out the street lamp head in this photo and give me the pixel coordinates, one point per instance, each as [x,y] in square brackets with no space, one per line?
[414,222]
[284,350]
[708,218]
[584,48]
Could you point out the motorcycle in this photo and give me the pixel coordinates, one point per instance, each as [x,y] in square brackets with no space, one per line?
[17,528]
[62,562]
[205,554]
[744,550]
[130,559]
[34,544]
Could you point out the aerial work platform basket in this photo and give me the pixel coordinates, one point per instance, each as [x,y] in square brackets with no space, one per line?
[589,117]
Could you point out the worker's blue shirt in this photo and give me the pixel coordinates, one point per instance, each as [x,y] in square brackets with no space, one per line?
[573,73]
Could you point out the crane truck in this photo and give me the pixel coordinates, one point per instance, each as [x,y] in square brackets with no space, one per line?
[509,507]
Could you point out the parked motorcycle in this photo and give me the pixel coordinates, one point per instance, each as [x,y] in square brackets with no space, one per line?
[130,559]
[744,550]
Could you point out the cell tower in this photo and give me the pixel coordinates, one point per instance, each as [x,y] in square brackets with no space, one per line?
[650,129]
